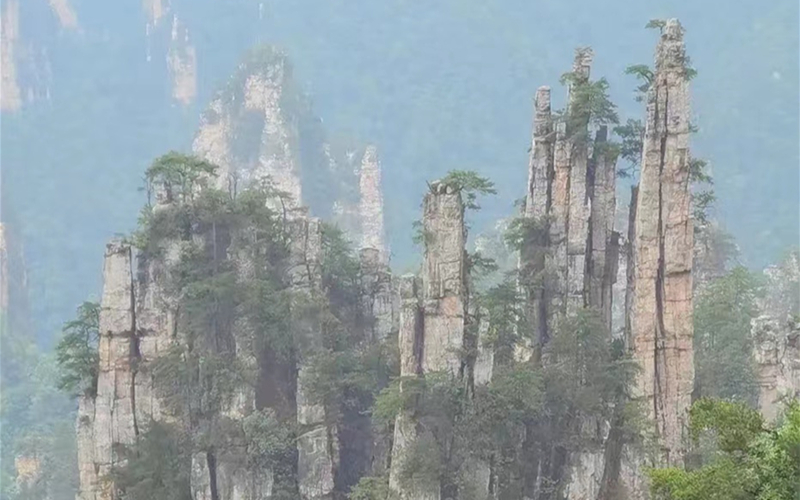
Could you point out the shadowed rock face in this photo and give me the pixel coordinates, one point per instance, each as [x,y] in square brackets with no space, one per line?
[661,309]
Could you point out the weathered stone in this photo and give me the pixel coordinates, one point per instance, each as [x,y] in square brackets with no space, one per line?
[115,423]
[777,355]
[249,132]
[556,262]
[443,279]
[371,205]
[537,206]
[776,337]
[182,64]
[661,320]
[578,211]
[603,241]
[317,442]
[377,295]
[410,341]
[84,439]
[540,163]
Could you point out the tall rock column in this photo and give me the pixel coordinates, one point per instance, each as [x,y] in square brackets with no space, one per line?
[370,207]
[114,422]
[661,319]
[537,208]
[317,442]
[578,211]
[405,426]
[603,240]
[444,292]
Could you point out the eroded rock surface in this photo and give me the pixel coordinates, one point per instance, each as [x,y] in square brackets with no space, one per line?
[661,315]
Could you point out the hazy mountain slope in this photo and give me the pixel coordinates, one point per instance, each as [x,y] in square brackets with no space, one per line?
[442,86]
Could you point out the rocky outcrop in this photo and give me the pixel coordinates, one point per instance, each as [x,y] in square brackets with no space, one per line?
[24,63]
[439,333]
[317,441]
[410,338]
[377,296]
[537,210]
[371,204]
[776,337]
[444,289]
[604,242]
[578,201]
[570,251]
[250,128]
[661,314]
[777,356]
[114,422]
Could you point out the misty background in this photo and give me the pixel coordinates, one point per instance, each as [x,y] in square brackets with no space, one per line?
[435,86]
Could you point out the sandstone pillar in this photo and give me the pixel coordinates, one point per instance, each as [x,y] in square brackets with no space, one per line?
[444,292]
[661,315]
[115,422]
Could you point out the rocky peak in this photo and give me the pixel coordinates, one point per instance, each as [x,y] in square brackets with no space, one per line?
[661,315]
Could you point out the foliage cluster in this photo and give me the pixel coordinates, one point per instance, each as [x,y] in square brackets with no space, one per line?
[753,462]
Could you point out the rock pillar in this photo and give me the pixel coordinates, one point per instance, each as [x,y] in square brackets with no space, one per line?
[661,316]
[444,291]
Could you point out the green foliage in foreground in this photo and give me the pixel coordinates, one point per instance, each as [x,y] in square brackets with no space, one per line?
[753,461]
[76,352]
[724,366]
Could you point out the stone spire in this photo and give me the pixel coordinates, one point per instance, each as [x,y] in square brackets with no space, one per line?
[537,208]
[661,316]
[444,290]
[578,211]
[250,129]
[113,420]
[371,204]
[603,240]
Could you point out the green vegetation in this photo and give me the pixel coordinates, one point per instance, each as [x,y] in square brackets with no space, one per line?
[753,461]
[724,365]
[76,352]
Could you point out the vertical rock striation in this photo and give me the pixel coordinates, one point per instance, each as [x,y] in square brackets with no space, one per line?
[578,200]
[182,64]
[661,315]
[603,240]
[537,210]
[371,204]
[114,423]
[410,342]
[250,129]
[444,292]
[317,442]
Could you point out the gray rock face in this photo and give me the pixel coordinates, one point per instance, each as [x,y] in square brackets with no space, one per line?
[114,423]
[444,292]
[377,296]
[777,354]
[371,204]
[776,337]
[578,204]
[661,315]
[317,443]
[250,129]
[410,341]
[570,257]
